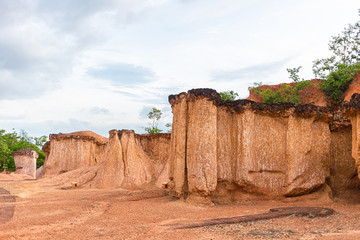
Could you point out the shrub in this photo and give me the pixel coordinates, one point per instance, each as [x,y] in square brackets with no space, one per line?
[338,81]
[287,93]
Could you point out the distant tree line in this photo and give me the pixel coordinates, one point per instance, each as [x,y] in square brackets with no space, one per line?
[13,141]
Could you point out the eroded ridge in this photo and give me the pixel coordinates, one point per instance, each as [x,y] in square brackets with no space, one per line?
[311,212]
[6,208]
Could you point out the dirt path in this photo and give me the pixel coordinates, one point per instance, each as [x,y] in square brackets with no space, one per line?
[46,212]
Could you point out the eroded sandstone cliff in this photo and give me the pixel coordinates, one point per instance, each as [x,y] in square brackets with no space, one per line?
[67,152]
[223,149]
[352,110]
[125,160]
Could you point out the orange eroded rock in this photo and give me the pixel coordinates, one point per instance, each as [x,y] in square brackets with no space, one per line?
[111,170]
[177,155]
[25,161]
[72,151]
[343,180]
[243,146]
[124,160]
[138,167]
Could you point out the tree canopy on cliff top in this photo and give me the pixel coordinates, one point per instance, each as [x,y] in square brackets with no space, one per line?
[337,71]
[340,68]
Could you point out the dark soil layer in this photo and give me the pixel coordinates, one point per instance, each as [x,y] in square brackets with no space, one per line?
[6,208]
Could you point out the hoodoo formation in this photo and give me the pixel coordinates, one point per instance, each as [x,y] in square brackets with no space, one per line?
[222,151]
[25,161]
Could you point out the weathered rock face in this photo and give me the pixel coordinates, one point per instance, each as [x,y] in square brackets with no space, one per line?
[352,110]
[138,167]
[40,172]
[111,170]
[25,161]
[72,151]
[344,181]
[219,149]
[124,160]
[157,147]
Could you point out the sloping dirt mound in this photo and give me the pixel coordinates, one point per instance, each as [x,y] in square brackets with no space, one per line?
[81,176]
[13,176]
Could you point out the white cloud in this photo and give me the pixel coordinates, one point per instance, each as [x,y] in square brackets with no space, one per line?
[69,65]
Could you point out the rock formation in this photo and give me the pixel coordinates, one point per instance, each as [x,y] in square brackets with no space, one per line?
[221,151]
[224,149]
[352,110]
[125,160]
[25,161]
[67,152]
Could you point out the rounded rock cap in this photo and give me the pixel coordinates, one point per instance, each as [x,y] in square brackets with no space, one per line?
[25,151]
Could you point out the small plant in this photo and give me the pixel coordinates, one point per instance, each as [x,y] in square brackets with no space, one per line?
[154,115]
[169,125]
[229,95]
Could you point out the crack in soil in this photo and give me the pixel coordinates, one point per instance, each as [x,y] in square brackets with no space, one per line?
[310,212]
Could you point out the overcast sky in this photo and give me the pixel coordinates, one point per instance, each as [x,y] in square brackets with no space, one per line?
[71,65]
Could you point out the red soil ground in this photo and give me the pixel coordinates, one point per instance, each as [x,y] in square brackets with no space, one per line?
[46,211]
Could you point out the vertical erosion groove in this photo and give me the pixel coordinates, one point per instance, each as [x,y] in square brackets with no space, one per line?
[186,184]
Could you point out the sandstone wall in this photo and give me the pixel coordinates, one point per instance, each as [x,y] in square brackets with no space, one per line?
[352,110]
[220,150]
[25,162]
[133,160]
[124,160]
[67,152]
[343,181]
[224,149]
[157,147]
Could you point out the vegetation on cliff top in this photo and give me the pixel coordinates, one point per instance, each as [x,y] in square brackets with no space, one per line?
[155,115]
[337,71]
[340,68]
[287,93]
[11,142]
[229,95]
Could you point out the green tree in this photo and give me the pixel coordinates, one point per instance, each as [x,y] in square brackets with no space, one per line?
[154,115]
[340,68]
[229,95]
[11,142]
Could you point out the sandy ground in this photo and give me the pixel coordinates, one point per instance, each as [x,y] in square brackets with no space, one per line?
[45,211]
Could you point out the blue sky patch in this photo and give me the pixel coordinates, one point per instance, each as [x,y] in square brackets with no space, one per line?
[123,74]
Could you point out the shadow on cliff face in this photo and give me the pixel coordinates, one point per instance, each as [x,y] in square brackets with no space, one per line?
[343,181]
